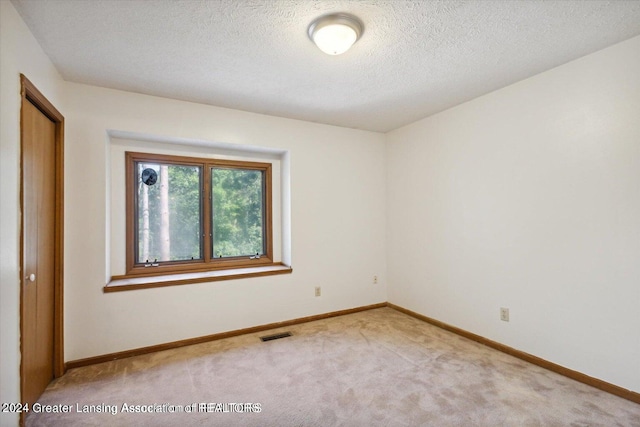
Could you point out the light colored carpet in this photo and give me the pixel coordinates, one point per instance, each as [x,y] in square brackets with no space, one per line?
[373,368]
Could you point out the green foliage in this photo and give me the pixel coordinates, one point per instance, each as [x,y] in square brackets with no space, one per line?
[237,209]
[237,212]
[185,212]
[183,208]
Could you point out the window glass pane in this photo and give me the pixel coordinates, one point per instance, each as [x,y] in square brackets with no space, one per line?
[169,213]
[238,211]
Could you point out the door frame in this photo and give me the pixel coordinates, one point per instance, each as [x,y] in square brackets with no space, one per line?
[29,93]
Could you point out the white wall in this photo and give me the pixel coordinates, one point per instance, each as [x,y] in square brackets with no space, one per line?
[529,198]
[337,209]
[20,53]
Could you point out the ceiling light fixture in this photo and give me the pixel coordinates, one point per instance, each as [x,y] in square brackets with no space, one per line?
[335,34]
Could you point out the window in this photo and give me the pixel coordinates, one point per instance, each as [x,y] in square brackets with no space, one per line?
[189,214]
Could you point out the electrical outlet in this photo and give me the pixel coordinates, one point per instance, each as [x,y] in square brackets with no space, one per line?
[504,314]
[375,280]
[318,291]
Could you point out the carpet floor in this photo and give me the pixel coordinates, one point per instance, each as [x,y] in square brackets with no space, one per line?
[373,368]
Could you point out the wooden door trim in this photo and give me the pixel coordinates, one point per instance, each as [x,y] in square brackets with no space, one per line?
[29,93]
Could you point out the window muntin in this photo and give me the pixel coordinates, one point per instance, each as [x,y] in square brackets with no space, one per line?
[210,205]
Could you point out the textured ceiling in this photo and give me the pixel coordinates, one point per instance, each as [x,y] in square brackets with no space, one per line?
[415,58]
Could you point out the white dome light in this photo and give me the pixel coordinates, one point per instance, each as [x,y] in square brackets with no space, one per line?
[335,34]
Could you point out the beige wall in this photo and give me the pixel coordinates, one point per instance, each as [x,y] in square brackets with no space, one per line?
[529,198]
[337,182]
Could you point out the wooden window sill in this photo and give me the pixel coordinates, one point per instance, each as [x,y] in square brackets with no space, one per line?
[133,283]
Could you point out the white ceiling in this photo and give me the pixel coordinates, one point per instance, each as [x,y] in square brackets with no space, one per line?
[415,58]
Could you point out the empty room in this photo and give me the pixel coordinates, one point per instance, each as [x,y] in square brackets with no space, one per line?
[320,213]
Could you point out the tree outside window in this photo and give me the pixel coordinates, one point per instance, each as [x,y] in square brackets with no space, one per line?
[196,214]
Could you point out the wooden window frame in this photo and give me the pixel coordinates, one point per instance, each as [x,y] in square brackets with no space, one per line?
[208,262]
